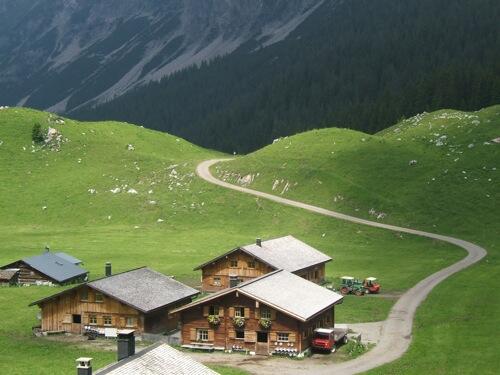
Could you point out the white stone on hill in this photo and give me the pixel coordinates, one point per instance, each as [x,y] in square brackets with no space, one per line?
[130,147]
[413,162]
[132,191]
[116,190]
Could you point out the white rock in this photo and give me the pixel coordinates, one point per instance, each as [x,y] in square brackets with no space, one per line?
[92,191]
[160,221]
[109,217]
[471,145]
[130,147]
[116,190]
[44,208]
[150,192]
[412,162]
[132,191]
[152,202]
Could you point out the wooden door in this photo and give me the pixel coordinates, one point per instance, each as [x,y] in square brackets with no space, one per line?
[262,344]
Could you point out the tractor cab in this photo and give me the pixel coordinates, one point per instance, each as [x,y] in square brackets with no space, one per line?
[371,285]
[350,285]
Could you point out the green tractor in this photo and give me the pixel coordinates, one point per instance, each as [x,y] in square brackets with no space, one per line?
[350,285]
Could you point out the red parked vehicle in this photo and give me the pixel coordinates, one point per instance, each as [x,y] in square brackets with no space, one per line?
[327,339]
[371,285]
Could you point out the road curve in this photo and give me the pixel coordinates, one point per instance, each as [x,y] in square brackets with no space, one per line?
[396,330]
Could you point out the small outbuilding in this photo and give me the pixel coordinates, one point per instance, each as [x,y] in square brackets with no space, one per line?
[250,261]
[9,276]
[49,268]
[275,313]
[140,299]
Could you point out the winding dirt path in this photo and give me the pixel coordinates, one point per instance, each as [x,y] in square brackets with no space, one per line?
[396,330]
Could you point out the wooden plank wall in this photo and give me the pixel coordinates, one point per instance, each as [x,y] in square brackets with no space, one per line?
[224,334]
[222,268]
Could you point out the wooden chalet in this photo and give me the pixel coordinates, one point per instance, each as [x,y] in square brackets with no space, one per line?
[9,276]
[254,260]
[48,268]
[271,314]
[139,299]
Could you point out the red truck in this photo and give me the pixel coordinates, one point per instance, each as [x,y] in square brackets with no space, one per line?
[327,339]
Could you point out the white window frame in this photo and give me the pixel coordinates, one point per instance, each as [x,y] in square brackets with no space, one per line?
[265,313]
[130,321]
[239,312]
[102,297]
[104,320]
[202,334]
[93,319]
[217,281]
[283,336]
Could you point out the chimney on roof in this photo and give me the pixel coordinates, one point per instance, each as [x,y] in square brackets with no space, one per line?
[258,242]
[126,344]
[84,366]
[107,269]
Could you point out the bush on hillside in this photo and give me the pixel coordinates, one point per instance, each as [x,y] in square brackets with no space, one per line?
[37,134]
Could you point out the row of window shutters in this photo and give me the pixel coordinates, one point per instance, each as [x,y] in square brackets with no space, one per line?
[243,312]
[102,320]
[249,336]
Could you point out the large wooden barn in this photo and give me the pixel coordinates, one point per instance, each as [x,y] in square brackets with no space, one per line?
[48,268]
[254,260]
[139,299]
[276,311]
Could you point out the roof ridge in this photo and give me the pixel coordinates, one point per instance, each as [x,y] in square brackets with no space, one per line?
[116,274]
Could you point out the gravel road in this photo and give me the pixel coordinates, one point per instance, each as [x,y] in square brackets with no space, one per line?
[395,336]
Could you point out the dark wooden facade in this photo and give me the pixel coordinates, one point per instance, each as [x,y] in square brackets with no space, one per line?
[29,275]
[240,266]
[84,306]
[285,331]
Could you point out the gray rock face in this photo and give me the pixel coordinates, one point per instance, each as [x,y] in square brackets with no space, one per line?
[62,54]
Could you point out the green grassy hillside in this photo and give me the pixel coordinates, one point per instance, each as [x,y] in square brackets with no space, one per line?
[171,221]
[451,187]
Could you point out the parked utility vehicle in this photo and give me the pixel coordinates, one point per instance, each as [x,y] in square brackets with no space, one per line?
[327,339]
[350,285]
[371,285]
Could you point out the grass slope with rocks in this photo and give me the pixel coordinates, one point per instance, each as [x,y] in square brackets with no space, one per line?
[110,191]
[437,172]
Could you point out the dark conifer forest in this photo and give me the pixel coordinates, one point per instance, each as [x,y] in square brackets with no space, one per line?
[361,64]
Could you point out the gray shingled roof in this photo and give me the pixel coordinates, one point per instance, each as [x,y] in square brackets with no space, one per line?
[69,258]
[55,267]
[8,274]
[158,359]
[284,291]
[143,289]
[287,253]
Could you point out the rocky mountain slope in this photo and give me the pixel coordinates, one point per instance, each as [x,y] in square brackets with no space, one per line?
[60,54]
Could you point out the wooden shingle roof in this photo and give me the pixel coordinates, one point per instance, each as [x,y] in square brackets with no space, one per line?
[287,253]
[158,359]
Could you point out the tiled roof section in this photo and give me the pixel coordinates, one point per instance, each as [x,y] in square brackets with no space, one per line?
[284,291]
[144,289]
[69,258]
[287,253]
[159,359]
[291,294]
[55,267]
[8,274]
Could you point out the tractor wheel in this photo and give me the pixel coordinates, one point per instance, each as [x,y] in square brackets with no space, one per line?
[359,292]
[344,290]
[344,340]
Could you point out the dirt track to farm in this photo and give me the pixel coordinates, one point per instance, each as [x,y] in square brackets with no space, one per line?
[396,331]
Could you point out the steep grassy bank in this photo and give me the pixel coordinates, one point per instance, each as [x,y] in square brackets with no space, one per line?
[437,172]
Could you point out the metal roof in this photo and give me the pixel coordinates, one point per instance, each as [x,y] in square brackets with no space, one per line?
[284,291]
[143,289]
[286,253]
[55,267]
[158,359]
[69,258]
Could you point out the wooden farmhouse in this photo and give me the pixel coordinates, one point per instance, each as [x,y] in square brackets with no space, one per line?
[271,314]
[48,268]
[139,299]
[254,260]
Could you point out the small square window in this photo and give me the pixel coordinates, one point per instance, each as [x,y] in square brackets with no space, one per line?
[108,320]
[239,312]
[84,294]
[202,334]
[213,310]
[99,297]
[77,318]
[265,313]
[217,281]
[234,263]
[240,334]
[251,264]
[93,319]
[130,321]
[282,337]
